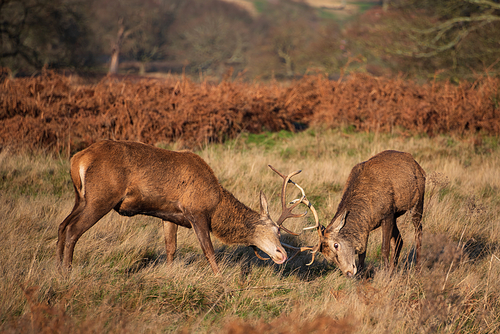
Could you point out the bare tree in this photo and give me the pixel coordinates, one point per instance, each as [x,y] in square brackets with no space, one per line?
[420,37]
[34,33]
[210,35]
[134,29]
[285,31]
[446,35]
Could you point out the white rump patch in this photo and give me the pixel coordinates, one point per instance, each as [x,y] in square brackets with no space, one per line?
[82,180]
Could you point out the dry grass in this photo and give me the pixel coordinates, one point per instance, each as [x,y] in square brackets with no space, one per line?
[120,282]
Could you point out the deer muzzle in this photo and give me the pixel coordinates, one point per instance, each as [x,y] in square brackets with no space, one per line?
[351,271]
[280,256]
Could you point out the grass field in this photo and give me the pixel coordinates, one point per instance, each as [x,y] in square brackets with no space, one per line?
[121,283]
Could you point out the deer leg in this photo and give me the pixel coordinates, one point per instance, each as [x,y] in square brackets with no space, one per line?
[417,223]
[61,240]
[74,230]
[387,227]
[396,244]
[361,261]
[203,234]
[170,232]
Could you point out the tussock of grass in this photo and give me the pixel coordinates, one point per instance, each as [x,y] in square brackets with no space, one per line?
[121,283]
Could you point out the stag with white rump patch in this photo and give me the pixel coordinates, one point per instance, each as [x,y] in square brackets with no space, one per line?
[377,192]
[178,187]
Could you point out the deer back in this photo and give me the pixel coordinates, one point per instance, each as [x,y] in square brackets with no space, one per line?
[390,181]
[154,176]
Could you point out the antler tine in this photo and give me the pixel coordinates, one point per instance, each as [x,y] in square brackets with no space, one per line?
[258,255]
[314,250]
[287,212]
[305,201]
[317,226]
[298,249]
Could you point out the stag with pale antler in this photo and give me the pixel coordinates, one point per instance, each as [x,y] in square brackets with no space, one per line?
[377,192]
[178,187]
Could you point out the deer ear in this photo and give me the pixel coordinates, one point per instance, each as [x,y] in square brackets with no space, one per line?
[264,210]
[342,223]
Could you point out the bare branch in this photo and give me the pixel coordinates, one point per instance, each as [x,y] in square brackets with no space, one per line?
[446,27]
[451,22]
[486,2]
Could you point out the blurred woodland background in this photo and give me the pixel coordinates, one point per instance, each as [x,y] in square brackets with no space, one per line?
[253,40]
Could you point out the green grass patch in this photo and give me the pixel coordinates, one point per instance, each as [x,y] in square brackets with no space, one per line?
[364,6]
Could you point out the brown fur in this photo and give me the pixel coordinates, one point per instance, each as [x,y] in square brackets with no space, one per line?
[377,192]
[177,187]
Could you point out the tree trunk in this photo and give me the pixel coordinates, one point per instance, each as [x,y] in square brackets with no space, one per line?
[142,68]
[288,62]
[115,51]
[385,5]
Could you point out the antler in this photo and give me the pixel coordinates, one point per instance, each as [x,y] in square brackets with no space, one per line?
[287,213]
[318,226]
[257,254]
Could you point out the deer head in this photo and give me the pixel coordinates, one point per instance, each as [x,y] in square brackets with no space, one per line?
[338,249]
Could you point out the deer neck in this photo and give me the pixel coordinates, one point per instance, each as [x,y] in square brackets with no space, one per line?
[233,221]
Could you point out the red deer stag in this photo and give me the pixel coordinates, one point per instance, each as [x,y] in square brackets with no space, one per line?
[177,187]
[377,192]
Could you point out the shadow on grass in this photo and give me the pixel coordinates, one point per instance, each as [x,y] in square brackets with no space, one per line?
[240,256]
[478,248]
[438,250]
[245,257]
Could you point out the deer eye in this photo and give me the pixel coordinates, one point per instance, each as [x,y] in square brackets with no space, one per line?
[336,245]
